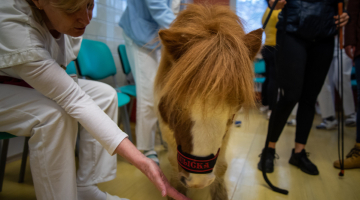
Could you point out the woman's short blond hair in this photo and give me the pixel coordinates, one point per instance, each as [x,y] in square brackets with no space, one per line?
[68,6]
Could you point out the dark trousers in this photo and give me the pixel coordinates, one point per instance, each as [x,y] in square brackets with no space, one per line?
[357,69]
[269,88]
[302,66]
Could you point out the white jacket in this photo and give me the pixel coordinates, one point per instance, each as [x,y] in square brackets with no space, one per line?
[28,51]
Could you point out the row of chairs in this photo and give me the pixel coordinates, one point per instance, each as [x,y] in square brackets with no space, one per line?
[96,62]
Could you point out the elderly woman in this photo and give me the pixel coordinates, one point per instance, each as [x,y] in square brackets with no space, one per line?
[38,99]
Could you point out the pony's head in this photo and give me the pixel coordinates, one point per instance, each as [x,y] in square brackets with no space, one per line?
[204,77]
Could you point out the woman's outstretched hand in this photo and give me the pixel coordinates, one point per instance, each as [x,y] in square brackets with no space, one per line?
[127,150]
[156,176]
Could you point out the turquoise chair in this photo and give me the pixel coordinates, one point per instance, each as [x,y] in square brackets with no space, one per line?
[70,68]
[96,62]
[4,149]
[259,68]
[127,89]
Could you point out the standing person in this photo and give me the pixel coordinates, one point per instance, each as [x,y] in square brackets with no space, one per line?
[270,89]
[326,96]
[352,49]
[39,100]
[305,43]
[141,22]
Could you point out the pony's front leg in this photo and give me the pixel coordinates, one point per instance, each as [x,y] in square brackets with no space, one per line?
[218,188]
[175,182]
[174,179]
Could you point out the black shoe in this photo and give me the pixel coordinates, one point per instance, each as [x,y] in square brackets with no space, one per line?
[302,161]
[269,163]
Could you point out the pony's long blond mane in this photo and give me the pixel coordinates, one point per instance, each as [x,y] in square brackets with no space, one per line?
[205,58]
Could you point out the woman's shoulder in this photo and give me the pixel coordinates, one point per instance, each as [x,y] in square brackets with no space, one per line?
[22,36]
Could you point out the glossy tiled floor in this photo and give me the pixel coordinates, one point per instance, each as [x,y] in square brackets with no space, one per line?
[243,179]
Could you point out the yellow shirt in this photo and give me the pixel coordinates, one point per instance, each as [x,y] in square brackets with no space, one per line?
[270,29]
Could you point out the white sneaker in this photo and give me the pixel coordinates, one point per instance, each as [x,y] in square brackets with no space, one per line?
[326,124]
[291,122]
[351,120]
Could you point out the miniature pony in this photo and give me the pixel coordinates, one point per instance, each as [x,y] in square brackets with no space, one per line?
[205,76]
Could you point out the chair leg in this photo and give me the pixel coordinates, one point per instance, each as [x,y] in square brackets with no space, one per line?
[126,121]
[24,159]
[3,161]
[131,104]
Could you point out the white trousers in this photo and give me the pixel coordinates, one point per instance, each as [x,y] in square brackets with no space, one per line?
[326,96]
[26,112]
[144,64]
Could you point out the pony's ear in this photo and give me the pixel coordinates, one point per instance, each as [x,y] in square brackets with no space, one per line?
[253,42]
[174,42]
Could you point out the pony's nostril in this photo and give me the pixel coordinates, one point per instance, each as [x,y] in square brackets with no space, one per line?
[182,179]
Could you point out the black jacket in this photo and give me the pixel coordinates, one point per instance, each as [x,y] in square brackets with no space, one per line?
[309,19]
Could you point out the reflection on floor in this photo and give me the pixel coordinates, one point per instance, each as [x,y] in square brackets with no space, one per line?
[244,181]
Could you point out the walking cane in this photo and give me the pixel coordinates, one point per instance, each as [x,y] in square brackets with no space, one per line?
[340,114]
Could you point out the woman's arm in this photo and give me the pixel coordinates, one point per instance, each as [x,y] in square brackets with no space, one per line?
[51,80]
[161,12]
[48,78]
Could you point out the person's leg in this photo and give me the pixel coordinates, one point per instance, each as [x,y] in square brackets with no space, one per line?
[290,62]
[96,165]
[317,66]
[273,86]
[325,100]
[348,99]
[265,85]
[144,63]
[26,112]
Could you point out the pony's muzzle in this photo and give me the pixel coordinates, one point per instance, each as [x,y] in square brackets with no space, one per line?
[197,181]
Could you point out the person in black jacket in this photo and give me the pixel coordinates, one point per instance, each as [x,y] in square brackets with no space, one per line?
[352,49]
[305,43]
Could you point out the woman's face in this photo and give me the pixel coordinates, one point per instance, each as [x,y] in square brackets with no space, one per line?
[58,21]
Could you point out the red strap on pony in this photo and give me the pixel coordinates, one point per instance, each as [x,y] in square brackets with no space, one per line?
[195,164]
